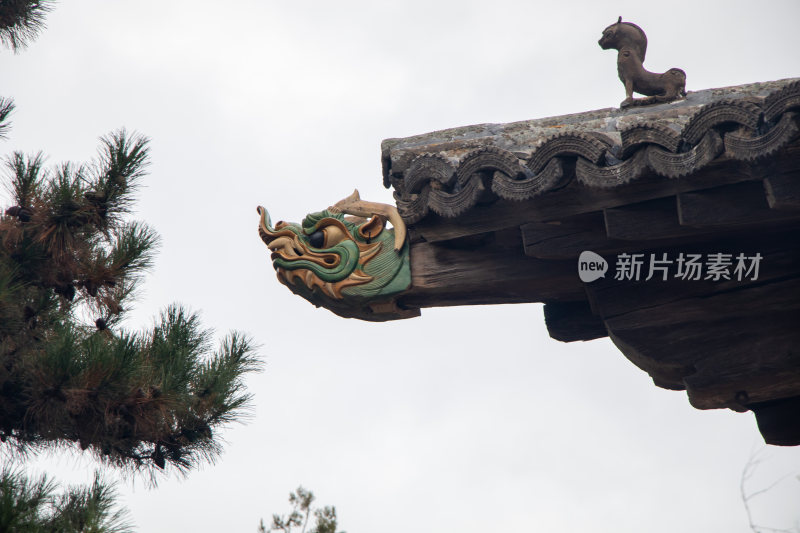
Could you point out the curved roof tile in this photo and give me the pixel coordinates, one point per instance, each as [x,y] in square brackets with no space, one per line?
[449,172]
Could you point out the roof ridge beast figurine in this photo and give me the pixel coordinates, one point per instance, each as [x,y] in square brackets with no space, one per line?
[631,43]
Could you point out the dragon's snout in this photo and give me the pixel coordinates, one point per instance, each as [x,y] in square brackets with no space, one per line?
[284,245]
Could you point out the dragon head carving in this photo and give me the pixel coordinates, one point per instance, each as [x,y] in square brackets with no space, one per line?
[352,265]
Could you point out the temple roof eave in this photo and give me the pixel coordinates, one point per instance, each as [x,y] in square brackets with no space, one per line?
[448,172]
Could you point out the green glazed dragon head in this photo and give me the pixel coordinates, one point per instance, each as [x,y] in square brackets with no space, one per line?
[352,265]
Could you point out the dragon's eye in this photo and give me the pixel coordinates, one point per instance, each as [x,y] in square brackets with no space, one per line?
[327,235]
[317,239]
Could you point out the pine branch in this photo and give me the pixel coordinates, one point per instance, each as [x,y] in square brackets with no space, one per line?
[22,501]
[26,177]
[6,107]
[133,246]
[301,501]
[21,21]
[122,162]
[91,508]
[63,212]
[136,400]
[219,384]
[34,505]
[326,520]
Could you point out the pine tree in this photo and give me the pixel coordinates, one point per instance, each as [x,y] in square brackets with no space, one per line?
[31,505]
[21,21]
[301,500]
[37,506]
[69,264]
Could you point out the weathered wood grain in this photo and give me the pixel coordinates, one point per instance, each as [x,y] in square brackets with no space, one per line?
[611,297]
[654,219]
[783,191]
[717,359]
[733,205]
[565,239]
[773,297]
[442,276]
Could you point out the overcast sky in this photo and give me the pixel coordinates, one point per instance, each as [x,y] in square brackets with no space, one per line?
[467,419]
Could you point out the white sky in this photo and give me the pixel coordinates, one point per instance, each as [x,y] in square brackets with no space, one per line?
[466,419]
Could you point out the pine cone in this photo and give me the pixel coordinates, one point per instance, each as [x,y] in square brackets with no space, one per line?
[91,288]
[67,291]
[22,213]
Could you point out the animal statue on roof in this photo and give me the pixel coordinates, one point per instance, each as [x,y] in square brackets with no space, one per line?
[631,43]
[351,265]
